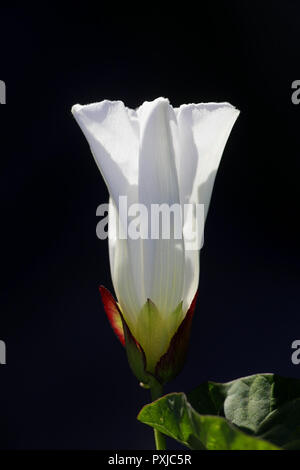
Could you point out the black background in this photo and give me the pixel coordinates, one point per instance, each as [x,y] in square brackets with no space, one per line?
[67,384]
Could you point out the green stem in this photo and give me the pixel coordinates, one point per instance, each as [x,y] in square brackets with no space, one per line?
[160,440]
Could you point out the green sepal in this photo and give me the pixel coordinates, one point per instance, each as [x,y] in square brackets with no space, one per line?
[150,331]
[136,358]
[171,363]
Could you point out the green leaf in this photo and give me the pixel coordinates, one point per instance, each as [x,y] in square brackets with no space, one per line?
[263,405]
[260,411]
[175,417]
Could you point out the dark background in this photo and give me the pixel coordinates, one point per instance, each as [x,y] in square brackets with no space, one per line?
[67,384]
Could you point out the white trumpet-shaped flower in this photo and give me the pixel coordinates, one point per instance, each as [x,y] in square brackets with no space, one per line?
[155,154]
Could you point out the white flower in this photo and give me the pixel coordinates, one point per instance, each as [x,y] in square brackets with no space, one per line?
[155,154]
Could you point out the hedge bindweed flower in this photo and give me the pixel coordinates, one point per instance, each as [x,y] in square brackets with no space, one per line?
[156,154]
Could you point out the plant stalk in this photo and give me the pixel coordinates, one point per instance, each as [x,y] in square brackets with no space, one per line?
[160,440]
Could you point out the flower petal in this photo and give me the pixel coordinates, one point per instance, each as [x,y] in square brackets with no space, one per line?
[112,130]
[203,133]
[163,259]
[112,133]
[126,268]
[204,129]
